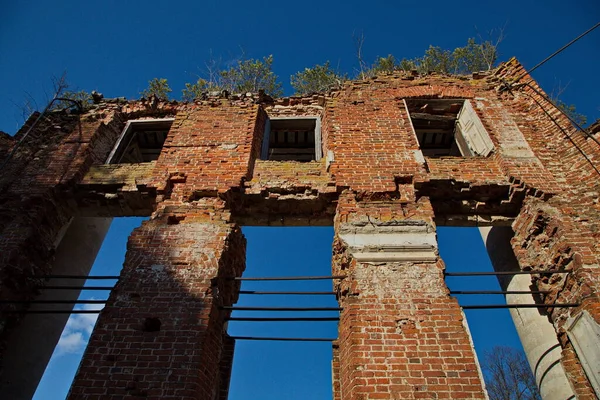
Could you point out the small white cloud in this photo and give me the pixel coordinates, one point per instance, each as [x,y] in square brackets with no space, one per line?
[77,331]
[70,343]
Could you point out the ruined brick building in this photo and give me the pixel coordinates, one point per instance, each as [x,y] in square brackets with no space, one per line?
[383,160]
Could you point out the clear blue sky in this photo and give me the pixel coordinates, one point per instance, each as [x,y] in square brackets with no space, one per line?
[115,47]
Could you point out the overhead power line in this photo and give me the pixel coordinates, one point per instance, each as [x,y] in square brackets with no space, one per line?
[556,52]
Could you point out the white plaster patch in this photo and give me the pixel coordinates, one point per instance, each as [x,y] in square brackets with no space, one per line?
[418,154]
[389,243]
[512,141]
[330,159]
[398,279]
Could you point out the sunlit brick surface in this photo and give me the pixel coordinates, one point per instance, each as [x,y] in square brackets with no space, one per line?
[400,335]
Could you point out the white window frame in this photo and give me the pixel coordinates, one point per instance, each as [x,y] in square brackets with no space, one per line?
[470,136]
[264,154]
[127,135]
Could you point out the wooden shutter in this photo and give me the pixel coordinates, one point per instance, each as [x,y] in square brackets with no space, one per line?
[471,137]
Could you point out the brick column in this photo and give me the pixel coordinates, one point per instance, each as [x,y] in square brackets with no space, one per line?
[401,336]
[161,334]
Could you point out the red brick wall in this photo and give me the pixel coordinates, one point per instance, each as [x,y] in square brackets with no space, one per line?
[6,144]
[400,334]
[563,232]
[174,273]
[537,173]
[371,140]
[209,149]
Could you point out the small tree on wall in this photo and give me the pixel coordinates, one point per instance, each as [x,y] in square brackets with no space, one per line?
[251,75]
[464,60]
[158,87]
[319,78]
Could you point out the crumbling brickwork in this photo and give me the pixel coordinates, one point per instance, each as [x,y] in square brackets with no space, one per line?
[401,335]
[161,334]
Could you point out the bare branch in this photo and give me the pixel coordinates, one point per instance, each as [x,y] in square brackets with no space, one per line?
[60,84]
[358,45]
[508,375]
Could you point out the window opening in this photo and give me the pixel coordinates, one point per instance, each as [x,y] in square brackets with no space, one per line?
[447,127]
[292,139]
[141,141]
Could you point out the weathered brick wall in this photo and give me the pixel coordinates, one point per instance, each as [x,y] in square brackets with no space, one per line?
[362,129]
[400,334]
[542,174]
[32,211]
[335,371]
[290,177]
[563,232]
[161,333]
[209,149]
[6,144]
[546,240]
[36,191]
[121,175]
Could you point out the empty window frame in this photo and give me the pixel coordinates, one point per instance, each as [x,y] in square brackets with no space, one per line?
[448,127]
[141,141]
[292,139]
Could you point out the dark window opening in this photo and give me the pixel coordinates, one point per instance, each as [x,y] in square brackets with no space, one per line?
[448,127]
[434,122]
[292,139]
[141,141]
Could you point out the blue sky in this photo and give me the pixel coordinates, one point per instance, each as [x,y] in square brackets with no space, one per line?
[115,47]
[276,370]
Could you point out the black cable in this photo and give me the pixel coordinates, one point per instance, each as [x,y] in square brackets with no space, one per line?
[589,135]
[53,301]
[484,306]
[50,311]
[80,276]
[564,131]
[287,278]
[499,292]
[286,293]
[276,319]
[556,52]
[283,339]
[236,308]
[477,273]
[76,287]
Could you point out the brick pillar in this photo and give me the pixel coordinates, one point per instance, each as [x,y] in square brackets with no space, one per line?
[161,334]
[335,371]
[226,366]
[401,336]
